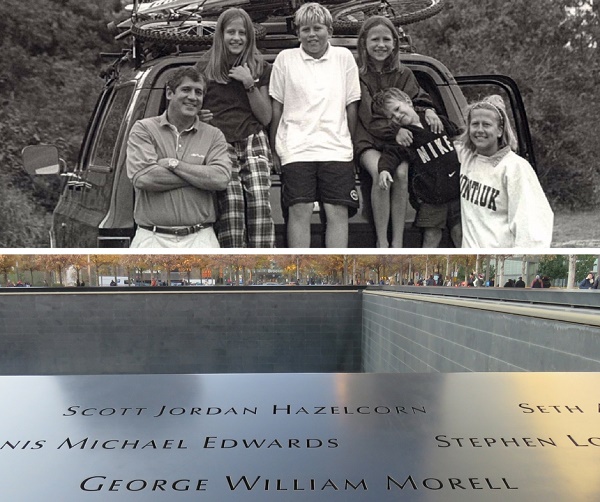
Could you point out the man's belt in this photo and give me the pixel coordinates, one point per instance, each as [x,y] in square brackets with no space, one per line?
[177,231]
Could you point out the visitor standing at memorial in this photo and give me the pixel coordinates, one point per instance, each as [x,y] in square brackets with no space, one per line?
[237,102]
[537,282]
[315,90]
[502,202]
[588,282]
[176,164]
[380,68]
[520,283]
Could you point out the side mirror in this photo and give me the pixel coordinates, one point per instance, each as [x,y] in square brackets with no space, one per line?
[41,160]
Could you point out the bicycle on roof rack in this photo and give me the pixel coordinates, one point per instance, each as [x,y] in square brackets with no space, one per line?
[178,21]
[194,22]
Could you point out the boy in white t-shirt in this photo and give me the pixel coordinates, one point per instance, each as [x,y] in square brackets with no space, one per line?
[316,90]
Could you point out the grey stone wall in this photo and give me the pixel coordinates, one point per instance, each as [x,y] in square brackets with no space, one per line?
[401,335]
[216,330]
[243,330]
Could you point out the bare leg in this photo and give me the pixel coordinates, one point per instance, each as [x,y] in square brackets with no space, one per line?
[399,204]
[456,235]
[299,225]
[432,237]
[380,199]
[336,235]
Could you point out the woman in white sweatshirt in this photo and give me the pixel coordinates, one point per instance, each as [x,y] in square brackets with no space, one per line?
[502,202]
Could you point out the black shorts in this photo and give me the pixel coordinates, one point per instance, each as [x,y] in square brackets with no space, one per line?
[325,182]
[438,215]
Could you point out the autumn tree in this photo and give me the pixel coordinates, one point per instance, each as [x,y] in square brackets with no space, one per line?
[30,263]
[167,263]
[372,263]
[99,261]
[7,262]
[203,263]
[113,264]
[78,262]
[259,262]
[130,263]
[185,265]
[58,263]
[332,267]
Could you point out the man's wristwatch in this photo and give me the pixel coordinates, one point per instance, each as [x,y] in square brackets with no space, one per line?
[173,163]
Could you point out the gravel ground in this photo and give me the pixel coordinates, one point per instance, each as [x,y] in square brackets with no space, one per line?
[577,229]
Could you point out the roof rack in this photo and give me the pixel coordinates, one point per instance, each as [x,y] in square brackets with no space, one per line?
[159,27]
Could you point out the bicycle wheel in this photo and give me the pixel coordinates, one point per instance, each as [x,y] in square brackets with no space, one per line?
[348,19]
[190,32]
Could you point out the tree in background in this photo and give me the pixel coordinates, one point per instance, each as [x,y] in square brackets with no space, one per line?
[554,266]
[465,266]
[322,268]
[332,267]
[573,267]
[99,261]
[187,263]
[254,263]
[59,264]
[49,82]
[551,49]
[130,264]
[7,263]
[79,262]
[290,264]
[167,263]
[31,263]
[585,265]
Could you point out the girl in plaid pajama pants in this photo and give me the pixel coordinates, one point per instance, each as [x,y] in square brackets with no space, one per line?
[238,103]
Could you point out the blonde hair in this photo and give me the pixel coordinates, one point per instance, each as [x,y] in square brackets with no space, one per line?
[496,104]
[218,66]
[392,62]
[311,13]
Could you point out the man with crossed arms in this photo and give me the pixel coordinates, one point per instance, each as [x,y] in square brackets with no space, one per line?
[176,163]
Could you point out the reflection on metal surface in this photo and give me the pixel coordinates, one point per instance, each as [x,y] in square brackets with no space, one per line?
[258,437]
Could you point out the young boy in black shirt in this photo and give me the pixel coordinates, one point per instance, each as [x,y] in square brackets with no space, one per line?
[434,169]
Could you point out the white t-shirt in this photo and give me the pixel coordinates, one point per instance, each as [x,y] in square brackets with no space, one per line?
[502,202]
[314,94]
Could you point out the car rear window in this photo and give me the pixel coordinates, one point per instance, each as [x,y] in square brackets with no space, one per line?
[108,132]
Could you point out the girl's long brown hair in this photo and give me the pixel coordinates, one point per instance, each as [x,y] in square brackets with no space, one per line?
[218,65]
[393,61]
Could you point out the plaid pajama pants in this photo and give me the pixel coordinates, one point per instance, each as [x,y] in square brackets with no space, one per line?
[244,207]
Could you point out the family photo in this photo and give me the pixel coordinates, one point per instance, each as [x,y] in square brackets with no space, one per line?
[294,250]
[342,124]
